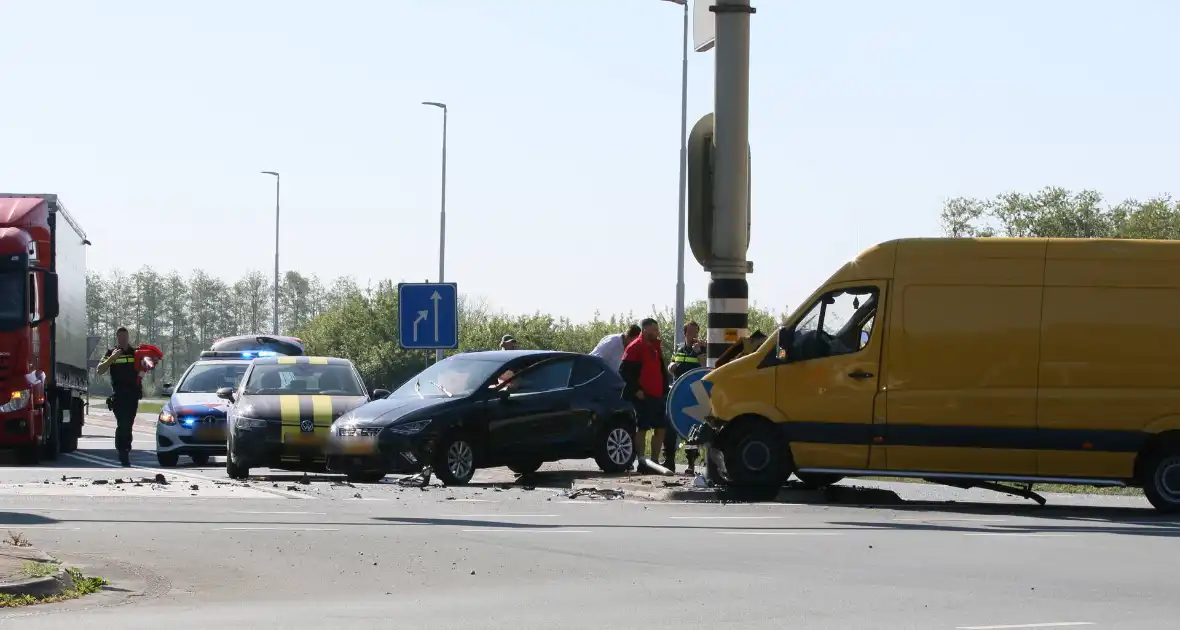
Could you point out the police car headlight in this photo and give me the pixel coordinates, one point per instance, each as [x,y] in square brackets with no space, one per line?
[410,428]
[167,418]
[17,400]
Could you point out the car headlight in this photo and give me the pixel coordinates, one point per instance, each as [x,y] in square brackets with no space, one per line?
[17,400]
[166,417]
[242,422]
[409,428]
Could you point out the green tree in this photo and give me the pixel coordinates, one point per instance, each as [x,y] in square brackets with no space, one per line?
[1058,213]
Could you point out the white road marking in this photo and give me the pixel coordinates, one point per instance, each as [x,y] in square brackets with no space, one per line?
[499,515]
[723,518]
[530,530]
[1051,624]
[471,501]
[952,520]
[1018,534]
[283,529]
[16,527]
[296,513]
[796,533]
[93,459]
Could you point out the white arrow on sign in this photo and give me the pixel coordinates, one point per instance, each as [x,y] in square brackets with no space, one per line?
[435,298]
[701,409]
[421,316]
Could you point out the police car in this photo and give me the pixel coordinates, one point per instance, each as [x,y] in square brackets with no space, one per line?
[192,422]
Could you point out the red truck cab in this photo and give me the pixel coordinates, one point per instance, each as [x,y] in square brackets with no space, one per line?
[43,365]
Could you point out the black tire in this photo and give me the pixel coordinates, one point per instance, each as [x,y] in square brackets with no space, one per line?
[755,457]
[816,481]
[1161,480]
[200,459]
[366,477]
[168,460]
[72,431]
[233,470]
[712,472]
[614,447]
[525,468]
[51,448]
[29,455]
[454,459]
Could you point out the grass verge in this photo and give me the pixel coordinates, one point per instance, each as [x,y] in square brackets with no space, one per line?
[83,585]
[40,569]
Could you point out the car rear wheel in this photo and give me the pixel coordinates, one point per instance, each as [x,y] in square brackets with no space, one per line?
[1161,480]
[454,460]
[614,450]
[525,468]
[200,459]
[168,460]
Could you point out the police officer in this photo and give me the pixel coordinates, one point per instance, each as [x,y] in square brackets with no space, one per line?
[686,358]
[120,362]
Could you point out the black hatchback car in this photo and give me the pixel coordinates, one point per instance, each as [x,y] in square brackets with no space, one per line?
[515,408]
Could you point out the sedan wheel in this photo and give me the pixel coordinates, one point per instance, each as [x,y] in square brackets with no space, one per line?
[454,461]
[615,449]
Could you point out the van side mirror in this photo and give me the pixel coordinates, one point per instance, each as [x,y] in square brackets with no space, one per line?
[226,393]
[52,307]
[379,394]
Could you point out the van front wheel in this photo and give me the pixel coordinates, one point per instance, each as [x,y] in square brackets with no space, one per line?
[1161,481]
[756,457]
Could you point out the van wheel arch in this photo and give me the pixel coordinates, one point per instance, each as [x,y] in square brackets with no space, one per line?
[1167,440]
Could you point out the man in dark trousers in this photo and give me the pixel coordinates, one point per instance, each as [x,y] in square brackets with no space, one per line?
[646,381]
[120,362]
[687,357]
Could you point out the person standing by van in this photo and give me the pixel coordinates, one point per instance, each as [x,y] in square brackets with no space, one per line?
[120,362]
[687,357]
[646,382]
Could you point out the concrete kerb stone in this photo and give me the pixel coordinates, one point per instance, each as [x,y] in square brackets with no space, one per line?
[43,586]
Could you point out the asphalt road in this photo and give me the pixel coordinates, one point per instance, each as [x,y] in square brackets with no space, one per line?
[205,552]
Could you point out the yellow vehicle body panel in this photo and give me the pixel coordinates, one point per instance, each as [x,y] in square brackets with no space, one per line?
[1023,358]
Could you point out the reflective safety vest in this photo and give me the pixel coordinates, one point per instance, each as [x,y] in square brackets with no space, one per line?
[123,372]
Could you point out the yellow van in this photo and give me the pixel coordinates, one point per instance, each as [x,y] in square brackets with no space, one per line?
[968,361]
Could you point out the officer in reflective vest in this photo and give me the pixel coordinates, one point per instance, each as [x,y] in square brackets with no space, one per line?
[686,358]
[120,362]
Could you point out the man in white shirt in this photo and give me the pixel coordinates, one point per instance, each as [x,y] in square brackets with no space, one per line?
[611,348]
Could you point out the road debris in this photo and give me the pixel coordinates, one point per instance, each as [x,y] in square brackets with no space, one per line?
[609,494]
[194,487]
[161,480]
[98,482]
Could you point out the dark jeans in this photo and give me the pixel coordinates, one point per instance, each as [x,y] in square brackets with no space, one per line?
[125,406]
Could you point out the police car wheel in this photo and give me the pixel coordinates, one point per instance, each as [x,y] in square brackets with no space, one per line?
[168,460]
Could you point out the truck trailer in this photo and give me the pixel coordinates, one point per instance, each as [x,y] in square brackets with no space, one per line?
[44,380]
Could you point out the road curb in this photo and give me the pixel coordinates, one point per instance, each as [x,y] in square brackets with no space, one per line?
[39,587]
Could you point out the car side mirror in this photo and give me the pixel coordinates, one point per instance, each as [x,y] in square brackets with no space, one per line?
[379,394]
[226,393]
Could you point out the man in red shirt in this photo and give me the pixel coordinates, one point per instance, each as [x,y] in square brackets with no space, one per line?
[646,381]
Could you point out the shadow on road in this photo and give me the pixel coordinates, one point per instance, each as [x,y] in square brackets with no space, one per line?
[9,519]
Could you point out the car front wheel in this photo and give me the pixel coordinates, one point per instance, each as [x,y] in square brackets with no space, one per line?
[615,447]
[454,460]
[233,470]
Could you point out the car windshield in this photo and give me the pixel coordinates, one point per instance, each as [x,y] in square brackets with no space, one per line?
[206,378]
[12,300]
[456,376]
[271,379]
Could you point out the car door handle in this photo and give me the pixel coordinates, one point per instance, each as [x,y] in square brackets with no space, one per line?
[859,374]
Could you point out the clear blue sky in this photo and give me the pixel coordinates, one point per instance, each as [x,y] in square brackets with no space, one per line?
[152,120]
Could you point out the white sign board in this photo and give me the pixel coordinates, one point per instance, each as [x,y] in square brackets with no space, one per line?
[704,25]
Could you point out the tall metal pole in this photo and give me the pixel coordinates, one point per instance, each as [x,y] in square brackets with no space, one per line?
[680,238]
[275,313]
[442,215]
[729,291]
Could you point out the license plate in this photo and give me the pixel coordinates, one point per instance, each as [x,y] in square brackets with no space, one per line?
[359,446]
[210,433]
[296,437]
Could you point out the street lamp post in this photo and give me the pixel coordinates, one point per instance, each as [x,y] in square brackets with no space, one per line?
[442,215]
[276,287]
[683,176]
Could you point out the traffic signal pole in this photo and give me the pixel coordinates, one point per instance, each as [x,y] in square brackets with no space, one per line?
[729,292]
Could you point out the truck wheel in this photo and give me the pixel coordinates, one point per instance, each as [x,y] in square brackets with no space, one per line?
[755,457]
[72,431]
[167,460]
[1161,480]
[52,424]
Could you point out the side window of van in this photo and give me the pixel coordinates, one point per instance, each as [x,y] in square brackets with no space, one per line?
[840,322]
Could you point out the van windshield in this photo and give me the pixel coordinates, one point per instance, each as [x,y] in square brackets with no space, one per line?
[13,308]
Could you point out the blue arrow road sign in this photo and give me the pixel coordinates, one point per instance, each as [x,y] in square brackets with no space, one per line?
[688,402]
[428,315]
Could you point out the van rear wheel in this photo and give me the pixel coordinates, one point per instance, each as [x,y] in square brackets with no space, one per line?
[756,457]
[1161,480]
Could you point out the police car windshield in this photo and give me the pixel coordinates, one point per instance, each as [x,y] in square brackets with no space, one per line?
[12,300]
[206,378]
[302,378]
